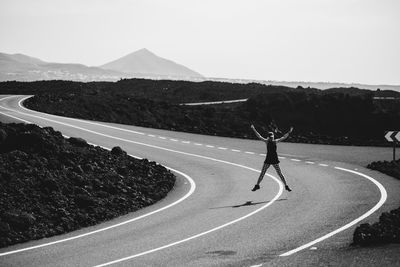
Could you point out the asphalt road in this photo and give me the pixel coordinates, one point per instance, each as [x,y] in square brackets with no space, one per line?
[211,218]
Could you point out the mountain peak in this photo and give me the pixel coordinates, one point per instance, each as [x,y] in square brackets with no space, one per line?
[143,50]
[143,62]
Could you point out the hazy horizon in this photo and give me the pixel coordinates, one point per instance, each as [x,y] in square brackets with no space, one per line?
[342,41]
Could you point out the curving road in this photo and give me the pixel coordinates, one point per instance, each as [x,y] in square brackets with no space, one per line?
[211,218]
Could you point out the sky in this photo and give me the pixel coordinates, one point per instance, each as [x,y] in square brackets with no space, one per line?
[351,41]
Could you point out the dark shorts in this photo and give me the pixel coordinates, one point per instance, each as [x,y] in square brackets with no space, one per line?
[271,161]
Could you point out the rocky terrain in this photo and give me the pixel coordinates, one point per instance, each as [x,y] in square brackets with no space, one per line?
[391,168]
[50,185]
[387,229]
[339,116]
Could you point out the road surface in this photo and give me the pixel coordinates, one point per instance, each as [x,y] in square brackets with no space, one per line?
[211,217]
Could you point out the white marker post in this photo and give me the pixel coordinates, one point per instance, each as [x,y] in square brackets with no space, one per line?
[393,136]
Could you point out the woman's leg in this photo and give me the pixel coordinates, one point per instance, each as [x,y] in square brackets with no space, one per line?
[279,172]
[264,169]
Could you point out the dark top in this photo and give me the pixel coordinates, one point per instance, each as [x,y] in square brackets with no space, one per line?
[272,155]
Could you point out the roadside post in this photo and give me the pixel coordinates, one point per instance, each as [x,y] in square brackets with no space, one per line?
[393,136]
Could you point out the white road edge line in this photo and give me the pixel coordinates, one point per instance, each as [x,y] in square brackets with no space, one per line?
[166,149]
[362,217]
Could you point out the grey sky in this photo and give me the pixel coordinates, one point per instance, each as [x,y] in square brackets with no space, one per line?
[291,40]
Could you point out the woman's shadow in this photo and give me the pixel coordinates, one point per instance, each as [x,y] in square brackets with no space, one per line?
[246,204]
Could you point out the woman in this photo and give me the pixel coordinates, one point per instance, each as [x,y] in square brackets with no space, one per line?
[272,156]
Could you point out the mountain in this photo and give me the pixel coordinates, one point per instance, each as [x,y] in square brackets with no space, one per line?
[24,68]
[139,64]
[144,63]
[20,58]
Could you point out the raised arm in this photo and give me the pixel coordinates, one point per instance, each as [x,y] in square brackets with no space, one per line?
[258,135]
[284,136]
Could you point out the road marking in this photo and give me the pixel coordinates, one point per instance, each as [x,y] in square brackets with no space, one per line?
[198,144]
[297,160]
[165,149]
[323,165]
[309,162]
[362,217]
[210,146]
[162,137]
[222,148]
[186,142]
[313,248]
[173,140]
[262,154]
[98,124]
[248,152]
[282,157]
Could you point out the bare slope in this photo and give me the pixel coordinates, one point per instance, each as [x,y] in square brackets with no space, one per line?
[145,63]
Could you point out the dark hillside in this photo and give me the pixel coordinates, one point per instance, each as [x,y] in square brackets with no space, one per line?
[333,116]
[327,119]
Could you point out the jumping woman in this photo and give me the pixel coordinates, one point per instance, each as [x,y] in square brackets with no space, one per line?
[272,156]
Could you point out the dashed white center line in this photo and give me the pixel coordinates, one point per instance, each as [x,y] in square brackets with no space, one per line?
[262,154]
[223,148]
[209,146]
[310,162]
[162,137]
[297,160]
[323,165]
[174,140]
[282,157]
[151,135]
[248,152]
[235,150]
[186,142]
[198,144]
